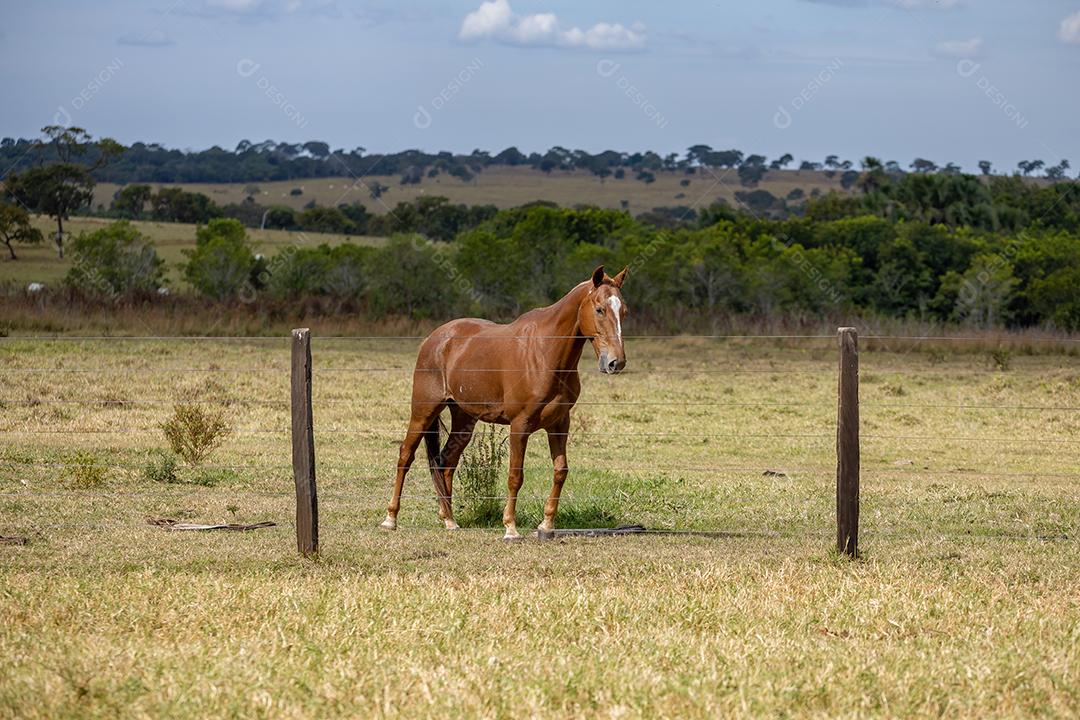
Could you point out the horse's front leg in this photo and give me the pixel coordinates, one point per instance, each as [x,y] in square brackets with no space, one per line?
[519,439]
[557,437]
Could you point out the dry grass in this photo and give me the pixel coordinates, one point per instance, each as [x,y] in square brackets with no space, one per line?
[509,187]
[965,602]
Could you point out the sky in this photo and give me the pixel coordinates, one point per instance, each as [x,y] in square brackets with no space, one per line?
[950,80]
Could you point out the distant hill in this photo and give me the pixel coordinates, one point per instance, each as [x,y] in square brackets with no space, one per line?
[506,187]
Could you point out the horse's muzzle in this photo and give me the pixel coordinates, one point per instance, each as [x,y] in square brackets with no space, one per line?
[611,366]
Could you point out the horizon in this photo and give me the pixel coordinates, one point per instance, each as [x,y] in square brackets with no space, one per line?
[894,79]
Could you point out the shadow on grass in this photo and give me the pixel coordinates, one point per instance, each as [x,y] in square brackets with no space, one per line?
[572,514]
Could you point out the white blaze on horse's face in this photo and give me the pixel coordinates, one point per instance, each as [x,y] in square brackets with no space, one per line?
[608,340]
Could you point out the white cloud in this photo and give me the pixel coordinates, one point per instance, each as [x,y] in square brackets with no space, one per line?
[496,20]
[902,4]
[236,6]
[1069,31]
[926,4]
[970,48]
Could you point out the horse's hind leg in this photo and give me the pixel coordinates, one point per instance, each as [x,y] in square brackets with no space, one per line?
[461,430]
[423,416]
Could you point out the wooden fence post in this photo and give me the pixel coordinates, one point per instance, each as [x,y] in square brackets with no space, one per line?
[303,446]
[847,445]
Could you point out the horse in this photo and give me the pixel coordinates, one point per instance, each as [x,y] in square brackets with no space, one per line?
[523,374]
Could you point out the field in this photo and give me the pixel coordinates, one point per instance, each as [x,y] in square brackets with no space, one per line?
[507,187]
[41,263]
[965,602]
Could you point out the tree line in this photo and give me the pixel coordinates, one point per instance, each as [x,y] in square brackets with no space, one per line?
[276,161]
[529,256]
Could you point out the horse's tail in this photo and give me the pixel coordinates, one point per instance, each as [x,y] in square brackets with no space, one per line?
[431,444]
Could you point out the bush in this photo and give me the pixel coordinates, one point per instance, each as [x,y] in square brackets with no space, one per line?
[298,272]
[161,468]
[326,220]
[115,261]
[195,431]
[410,276]
[84,470]
[223,262]
[280,217]
[476,481]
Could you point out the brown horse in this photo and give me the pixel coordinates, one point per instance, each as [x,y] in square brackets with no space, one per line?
[523,374]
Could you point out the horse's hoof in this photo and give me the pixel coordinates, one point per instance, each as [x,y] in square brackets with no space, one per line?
[388,524]
[451,525]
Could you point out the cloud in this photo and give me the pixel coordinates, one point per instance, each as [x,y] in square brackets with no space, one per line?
[257,10]
[902,4]
[495,20]
[1069,32]
[970,48]
[153,38]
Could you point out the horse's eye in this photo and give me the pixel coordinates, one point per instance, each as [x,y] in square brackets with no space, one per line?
[599,311]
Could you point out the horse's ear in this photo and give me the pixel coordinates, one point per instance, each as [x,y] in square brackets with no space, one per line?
[598,276]
[617,281]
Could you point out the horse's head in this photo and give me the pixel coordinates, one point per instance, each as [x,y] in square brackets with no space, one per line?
[600,318]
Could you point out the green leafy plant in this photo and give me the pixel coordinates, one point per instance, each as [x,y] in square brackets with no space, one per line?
[476,481]
[85,470]
[1001,359]
[161,468]
[195,430]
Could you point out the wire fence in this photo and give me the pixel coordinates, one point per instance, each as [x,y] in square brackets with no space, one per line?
[40,405]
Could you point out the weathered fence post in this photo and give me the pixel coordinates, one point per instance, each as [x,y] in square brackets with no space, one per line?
[303,445]
[847,445]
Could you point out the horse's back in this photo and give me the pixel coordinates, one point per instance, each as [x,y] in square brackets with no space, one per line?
[444,340]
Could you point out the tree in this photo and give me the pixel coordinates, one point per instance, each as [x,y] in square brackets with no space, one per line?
[54,190]
[873,177]
[15,228]
[70,143]
[922,165]
[1029,166]
[832,162]
[985,166]
[130,201]
[781,162]
[179,205]
[59,189]
[698,154]
[1057,172]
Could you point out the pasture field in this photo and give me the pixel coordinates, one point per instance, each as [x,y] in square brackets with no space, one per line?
[40,263]
[507,187]
[966,601]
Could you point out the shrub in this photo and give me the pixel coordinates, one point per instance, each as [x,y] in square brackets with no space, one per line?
[280,217]
[1001,359]
[476,481]
[298,272]
[84,470]
[115,261]
[223,261]
[161,468]
[194,431]
[325,219]
[410,276]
